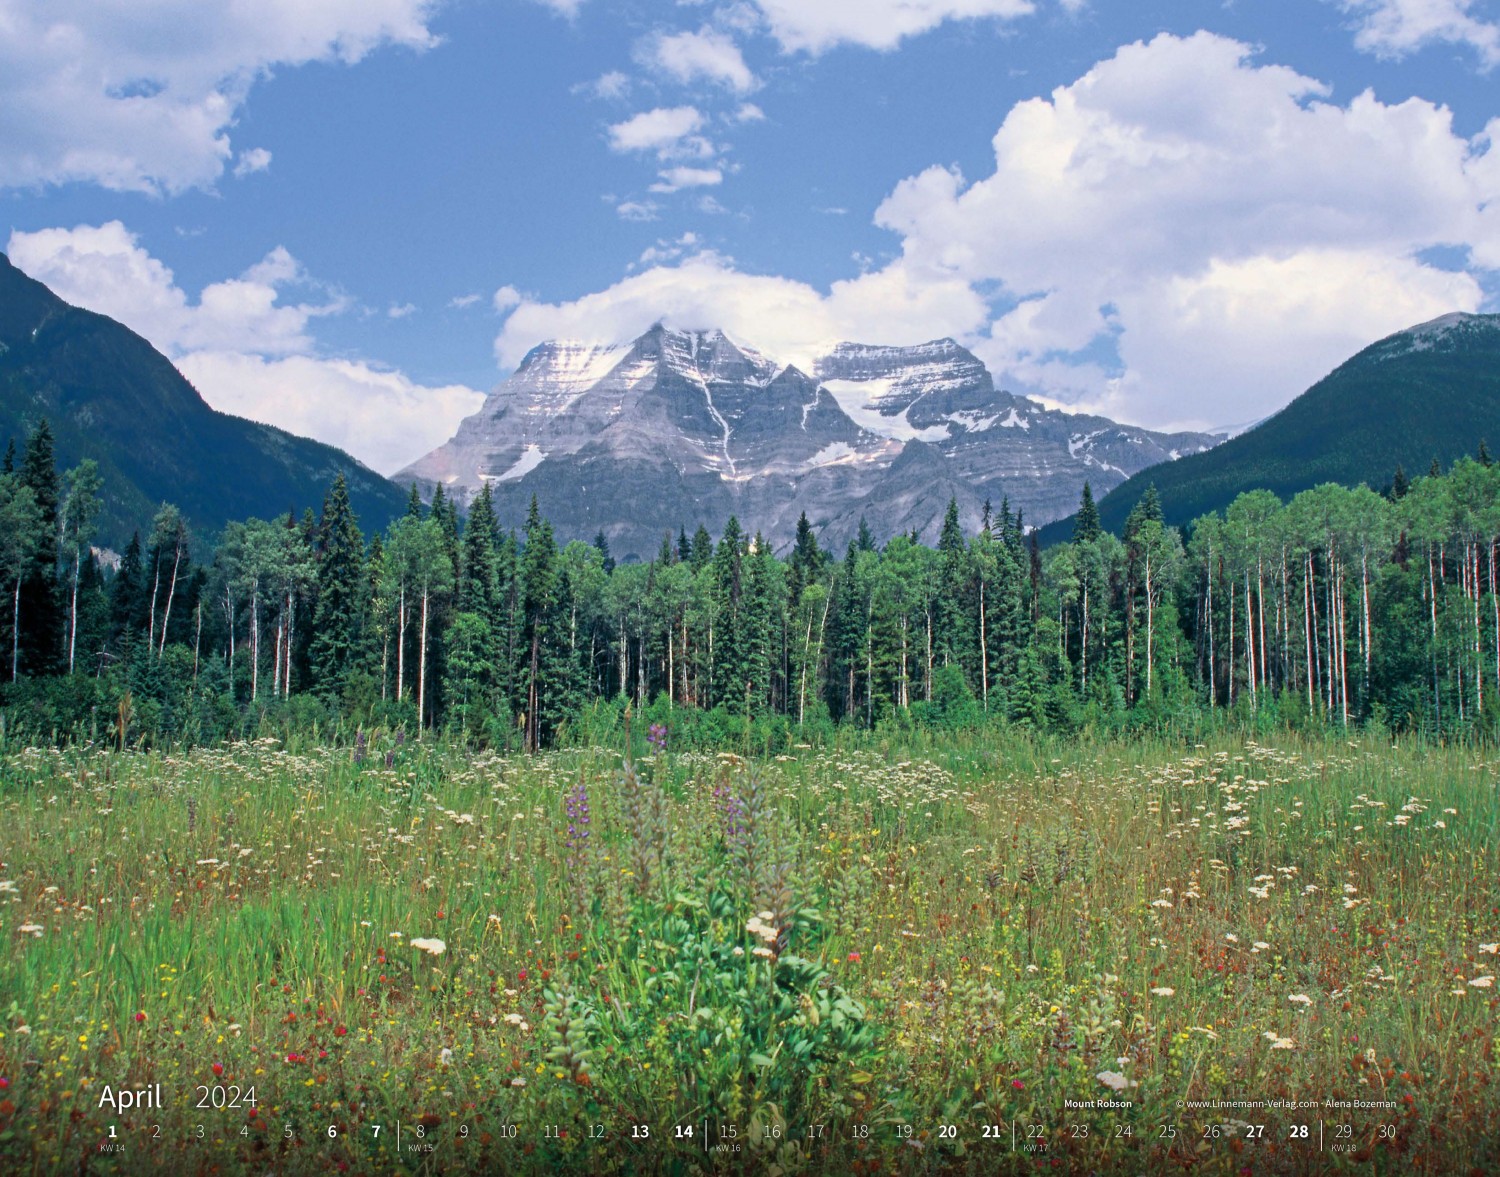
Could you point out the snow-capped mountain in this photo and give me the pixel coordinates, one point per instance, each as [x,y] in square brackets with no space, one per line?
[679,428]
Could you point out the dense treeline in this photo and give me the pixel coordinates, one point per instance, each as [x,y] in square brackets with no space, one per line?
[1341,607]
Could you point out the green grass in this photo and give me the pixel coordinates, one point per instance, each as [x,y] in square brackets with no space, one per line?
[966,935]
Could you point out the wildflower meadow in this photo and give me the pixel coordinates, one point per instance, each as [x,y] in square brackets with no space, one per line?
[972,954]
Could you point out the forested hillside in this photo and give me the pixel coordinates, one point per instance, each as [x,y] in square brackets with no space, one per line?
[1424,395]
[109,396]
[1340,607]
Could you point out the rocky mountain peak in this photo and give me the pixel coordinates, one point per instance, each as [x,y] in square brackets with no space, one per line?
[679,426]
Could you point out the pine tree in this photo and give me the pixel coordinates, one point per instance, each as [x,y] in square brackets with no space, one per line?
[480,591]
[540,589]
[601,543]
[339,614]
[1400,483]
[703,549]
[125,605]
[806,561]
[1087,526]
[41,638]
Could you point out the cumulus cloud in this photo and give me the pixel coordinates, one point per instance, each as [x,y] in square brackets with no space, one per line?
[141,97]
[1181,199]
[789,319]
[245,351]
[1184,236]
[379,415]
[815,26]
[1396,28]
[666,130]
[707,55]
[103,268]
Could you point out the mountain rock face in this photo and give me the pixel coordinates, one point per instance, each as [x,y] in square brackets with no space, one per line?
[681,428]
[107,394]
[1431,392]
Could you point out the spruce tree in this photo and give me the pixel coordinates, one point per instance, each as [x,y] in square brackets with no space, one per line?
[339,614]
[703,549]
[601,543]
[41,637]
[1087,527]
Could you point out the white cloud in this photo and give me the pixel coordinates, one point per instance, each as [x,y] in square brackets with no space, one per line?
[381,416]
[611,86]
[257,159]
[507,298]
[676,179]
[637,210]
[104,269]
[1183,236]
[666,130]
[1180,200]
[401,311]
[1396,28]
[815,26]
[245,352]
[791,320]
[142,97]
[748,112]
[706,55]
[462,302]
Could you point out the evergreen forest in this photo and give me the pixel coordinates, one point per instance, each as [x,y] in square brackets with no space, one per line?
[1341,607]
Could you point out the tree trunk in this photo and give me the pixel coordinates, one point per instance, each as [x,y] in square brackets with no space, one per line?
[1083,642]
[151,623]
[254,641]
[1208,574]
[984,650]
[171,592]
[401,644]
[15,632]
[422,666]
[73,615]
[1437,697]
[1150,624]
[1249,643]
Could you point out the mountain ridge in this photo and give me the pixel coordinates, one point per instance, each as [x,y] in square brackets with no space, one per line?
[108,394]
[1428,392]
[690,426]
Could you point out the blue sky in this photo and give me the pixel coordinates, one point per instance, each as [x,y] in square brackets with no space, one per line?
[352,217]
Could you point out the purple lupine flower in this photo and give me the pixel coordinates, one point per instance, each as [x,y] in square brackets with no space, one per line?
[731,814]
[359,746]
[577,806]
[657,736]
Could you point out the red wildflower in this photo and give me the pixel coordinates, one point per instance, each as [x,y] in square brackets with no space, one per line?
[140,1016]
[218,1068]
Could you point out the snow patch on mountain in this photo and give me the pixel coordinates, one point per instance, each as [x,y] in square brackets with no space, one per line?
[859,400]
[531,457]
